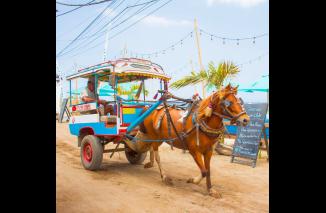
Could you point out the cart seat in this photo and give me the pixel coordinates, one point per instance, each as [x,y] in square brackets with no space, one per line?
[108,119]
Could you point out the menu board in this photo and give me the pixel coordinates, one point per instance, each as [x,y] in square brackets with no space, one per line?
[248,138]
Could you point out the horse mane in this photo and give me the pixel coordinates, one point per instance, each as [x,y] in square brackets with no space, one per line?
[202,106]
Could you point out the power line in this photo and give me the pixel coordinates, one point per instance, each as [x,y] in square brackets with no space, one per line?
[145,6]
[103,18]
[88,26]
[102,33]
[73,9]
[131,25]
[82,5]
[172,47]
[125,9]
[126,27]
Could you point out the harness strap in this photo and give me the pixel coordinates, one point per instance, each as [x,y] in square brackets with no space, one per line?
[172,124]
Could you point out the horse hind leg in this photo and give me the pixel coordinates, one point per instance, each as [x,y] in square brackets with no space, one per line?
[165,179]
[151,162]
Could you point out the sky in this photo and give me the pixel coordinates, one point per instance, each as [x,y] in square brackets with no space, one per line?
[163,28]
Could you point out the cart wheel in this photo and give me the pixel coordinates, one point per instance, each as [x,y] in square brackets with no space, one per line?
[91,152]
[134,157]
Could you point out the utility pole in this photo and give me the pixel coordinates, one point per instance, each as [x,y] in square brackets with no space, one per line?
[192,69]
[105,45]
[76,88]
[59,87]
[125,51]
[199,54]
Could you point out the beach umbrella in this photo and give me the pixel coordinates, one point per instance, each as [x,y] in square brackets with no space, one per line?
[262,85]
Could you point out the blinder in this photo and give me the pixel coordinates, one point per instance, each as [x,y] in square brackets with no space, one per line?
[226,104]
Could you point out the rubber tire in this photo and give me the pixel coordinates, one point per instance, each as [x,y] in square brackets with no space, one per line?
[134,157]
[97,152]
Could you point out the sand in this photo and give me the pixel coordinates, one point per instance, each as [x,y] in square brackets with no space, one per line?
[121,187]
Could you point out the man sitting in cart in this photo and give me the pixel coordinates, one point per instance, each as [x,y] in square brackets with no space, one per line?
[88,95]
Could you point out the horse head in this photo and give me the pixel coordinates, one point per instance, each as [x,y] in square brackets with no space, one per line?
[226,104]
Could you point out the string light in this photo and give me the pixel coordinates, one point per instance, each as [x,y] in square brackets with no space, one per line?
[190,35]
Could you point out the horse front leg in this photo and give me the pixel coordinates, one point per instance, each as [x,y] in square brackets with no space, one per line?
[199,161]
[207,159]
[151,162]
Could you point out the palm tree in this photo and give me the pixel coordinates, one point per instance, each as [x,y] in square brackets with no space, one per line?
[213,77]
[129,92]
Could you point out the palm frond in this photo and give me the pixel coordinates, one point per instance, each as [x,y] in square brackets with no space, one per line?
[193,78]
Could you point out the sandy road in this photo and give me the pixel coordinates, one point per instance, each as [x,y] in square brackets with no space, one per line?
[122,187]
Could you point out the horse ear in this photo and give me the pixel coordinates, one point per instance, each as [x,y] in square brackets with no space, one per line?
[228,87]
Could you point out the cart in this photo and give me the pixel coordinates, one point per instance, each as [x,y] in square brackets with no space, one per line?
[94,129]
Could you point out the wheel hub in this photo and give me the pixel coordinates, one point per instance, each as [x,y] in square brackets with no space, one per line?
[87,152]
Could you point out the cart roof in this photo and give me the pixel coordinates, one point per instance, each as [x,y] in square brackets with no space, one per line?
[127,69]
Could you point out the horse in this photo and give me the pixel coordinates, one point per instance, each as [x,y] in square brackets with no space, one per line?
[201,128]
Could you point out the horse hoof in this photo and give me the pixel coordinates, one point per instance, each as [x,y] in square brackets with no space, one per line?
[167,180]
[215,194]
[190,180]
[148,165]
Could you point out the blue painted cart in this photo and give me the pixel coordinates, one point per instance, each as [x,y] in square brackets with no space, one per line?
[93,128]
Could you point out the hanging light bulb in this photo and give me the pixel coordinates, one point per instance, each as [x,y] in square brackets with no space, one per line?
[237,41]
[172,47]
[200,32]
[254,40]
[181,43]
[211,38]
[191,34]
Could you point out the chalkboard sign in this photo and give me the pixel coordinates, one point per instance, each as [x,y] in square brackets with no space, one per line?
[248,138]
[63,109]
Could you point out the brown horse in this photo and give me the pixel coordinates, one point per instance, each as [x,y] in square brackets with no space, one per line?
[208,114]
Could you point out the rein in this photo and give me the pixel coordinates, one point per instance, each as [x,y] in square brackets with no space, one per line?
[198,125]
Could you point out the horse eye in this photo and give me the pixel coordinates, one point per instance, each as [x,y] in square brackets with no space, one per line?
[227,103]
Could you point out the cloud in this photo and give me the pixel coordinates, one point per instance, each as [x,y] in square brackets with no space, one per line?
[160,21]
[241,3]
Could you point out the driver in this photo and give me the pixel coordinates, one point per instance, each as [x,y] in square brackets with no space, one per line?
[88,96]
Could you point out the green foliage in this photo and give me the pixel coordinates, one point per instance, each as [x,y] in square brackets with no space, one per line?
[129,92]
[213,77]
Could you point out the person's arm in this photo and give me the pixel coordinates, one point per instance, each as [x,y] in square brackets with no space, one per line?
[88,99]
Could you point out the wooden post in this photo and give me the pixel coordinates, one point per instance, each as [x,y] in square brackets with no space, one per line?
[192,69]
[266,142]
[199,55]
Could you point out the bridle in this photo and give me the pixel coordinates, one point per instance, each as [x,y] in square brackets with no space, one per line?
[225,104]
